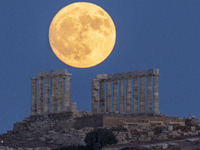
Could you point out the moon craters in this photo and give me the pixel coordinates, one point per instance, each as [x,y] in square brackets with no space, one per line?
[82,35]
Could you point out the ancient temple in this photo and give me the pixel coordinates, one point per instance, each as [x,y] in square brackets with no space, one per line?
[110,95]
[48,90]
[126,102]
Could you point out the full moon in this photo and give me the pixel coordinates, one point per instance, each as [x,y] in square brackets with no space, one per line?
[82,35]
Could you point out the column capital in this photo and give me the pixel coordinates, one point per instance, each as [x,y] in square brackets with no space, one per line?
[122,78]
[136,76]
[66,75]
[108,80]
[150,75]
[34,78]
[41,77]
[60,75]
[130,77]
[103,80]
[53,76]
[114,79]
[154,75]
[142,76]
[47,77]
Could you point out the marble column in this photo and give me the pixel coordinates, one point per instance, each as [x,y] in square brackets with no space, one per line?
[156,95]
[115,96]
[95,98]
[135,95]
[108,96]
[129,95]
[56,93]
[60,93]
[40,95]
[102,96]
[67,93]
[34,96]
[53,94]
[122,97]
[149,93]
[47,95]
[142,94]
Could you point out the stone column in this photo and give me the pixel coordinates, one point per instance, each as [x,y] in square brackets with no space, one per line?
[115,96]
[149,93]
[47,95]
[53,94]
[40,95]
[156,95]
[60,93]
[95,98]
[108,96]
[129,96]
[102,96]
[34,96]
[142,94]
[122,97]
[56,93]
[67,93]
[135,95]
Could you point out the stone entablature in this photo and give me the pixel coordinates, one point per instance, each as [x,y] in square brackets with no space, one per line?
[53,73]
[128,74]
[56,84]
[109,93]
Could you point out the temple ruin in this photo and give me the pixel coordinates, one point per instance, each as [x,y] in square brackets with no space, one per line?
[108,92]
[56,84]
[127,103]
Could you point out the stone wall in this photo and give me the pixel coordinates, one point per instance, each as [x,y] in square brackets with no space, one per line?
[93,121]
[119,120]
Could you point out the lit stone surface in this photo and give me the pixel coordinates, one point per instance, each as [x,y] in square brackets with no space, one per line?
[73,107]
[67,93]
[128,74]
[95,98]
[135,95]
[47,95]
[115,96]
[108,96]
[53,73]
[142,94]
[149,93]
[102,96]
[128,95]
[139,104]
[55,82]
[53,94]
[40,95]
[60,93]
[122,96]
[156,95]
[34,96]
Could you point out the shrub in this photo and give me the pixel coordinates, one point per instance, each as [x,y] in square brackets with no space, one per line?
[99,138]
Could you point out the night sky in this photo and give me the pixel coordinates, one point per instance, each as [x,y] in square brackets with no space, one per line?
[150,34]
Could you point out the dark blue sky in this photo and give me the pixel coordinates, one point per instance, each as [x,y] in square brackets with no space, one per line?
[150,34]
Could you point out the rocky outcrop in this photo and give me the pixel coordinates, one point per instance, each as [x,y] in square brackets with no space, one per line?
[57,130]
[140,134]
[52,130]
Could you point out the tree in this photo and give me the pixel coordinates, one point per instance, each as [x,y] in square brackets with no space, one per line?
[99,138]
